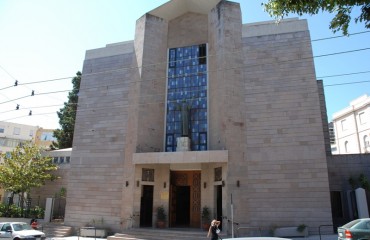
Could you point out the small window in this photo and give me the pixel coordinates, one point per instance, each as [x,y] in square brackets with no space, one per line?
[55,160]
[362,118]
[2,129]
[147,175]
[366,141]
[68,159]
[346,146]
[202,54]
[16,131]
[218,174]
[61,159]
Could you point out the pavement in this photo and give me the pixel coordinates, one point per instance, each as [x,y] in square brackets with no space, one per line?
[313,237]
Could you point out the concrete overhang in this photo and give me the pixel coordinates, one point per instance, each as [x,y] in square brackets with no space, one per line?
[176,8]
[216,156]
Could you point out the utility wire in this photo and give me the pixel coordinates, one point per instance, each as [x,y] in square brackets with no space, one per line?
[344,74]
[166,62]
[347,83]
[142,104]
[327,38]
[35,95]
[208,71]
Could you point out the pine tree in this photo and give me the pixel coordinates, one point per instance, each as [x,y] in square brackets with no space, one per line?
[67,117]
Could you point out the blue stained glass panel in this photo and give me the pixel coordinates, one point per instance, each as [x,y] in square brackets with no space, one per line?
[187,82]
[202,138]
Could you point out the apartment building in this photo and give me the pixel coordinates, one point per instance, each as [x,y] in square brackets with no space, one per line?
[352,127]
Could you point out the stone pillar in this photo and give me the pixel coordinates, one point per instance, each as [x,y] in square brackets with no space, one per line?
[363,211]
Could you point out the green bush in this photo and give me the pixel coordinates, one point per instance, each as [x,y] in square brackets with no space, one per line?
[15,211]
[37,212]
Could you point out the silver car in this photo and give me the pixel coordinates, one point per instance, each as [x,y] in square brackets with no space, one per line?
[19,231]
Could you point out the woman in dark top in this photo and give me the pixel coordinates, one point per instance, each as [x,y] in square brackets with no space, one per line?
[213,230]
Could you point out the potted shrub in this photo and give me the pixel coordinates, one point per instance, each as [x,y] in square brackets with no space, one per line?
[161,217]
[206,218]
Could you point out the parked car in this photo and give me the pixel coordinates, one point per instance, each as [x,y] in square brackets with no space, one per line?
[358,229]
[19,231]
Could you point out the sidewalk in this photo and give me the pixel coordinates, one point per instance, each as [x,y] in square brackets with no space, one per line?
[313,237]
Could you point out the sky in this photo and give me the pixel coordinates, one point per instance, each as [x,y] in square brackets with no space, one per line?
[47,39]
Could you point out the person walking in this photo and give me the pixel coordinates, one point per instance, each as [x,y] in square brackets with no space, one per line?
[213,230]
[34,224]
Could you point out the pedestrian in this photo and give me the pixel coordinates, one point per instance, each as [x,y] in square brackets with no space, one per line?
[34,224]
[213,230]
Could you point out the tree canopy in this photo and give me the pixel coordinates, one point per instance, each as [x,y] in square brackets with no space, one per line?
[67,117]
[341,8]
[25,168]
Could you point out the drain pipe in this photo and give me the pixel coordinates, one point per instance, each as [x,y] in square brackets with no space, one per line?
[232,217]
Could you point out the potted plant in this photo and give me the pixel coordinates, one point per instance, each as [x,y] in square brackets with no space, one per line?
[206,218]
[161,217]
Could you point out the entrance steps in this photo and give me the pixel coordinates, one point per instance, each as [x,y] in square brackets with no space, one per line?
[53,230]
[160,234]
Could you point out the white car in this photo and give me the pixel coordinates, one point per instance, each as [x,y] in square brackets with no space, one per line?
[19,231]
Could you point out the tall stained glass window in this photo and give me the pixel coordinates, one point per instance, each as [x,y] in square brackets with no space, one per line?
[187,92]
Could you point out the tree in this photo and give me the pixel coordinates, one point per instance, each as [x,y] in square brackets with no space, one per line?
[67,117]
[341,8]
[25,168]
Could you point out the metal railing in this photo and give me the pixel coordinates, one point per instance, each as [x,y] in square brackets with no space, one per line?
[321,226]
[249,228]
[240,227]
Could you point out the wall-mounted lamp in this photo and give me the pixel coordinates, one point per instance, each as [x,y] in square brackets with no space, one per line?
[223,183]
[137,183]
[126,183]
[237,183]
[164,185]
[205,185]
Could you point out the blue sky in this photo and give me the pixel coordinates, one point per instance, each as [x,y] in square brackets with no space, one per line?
[47,39]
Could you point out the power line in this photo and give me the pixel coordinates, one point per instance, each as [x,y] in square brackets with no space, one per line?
[166,62]
[35,95]
[344,74]
[347,83]
[207,71]
[327,38]
[142,104]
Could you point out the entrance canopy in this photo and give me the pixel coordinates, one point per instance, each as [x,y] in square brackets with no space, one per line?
[216,156]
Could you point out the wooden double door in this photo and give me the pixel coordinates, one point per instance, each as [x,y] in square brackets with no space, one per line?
[185,199]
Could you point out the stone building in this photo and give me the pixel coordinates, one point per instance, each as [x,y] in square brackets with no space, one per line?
[198,109]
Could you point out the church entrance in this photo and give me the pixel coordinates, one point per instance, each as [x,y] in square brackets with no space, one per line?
[185,199]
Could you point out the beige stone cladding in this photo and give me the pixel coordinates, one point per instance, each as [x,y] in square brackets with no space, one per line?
[287,179]
[226,118]
[263,109]
[96,178]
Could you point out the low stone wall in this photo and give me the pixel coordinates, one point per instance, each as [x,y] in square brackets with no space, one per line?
[342,167]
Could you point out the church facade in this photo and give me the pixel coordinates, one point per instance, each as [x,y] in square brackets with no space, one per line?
[200,110]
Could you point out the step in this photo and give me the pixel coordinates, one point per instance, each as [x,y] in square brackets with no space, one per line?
[158,234]
[56,230]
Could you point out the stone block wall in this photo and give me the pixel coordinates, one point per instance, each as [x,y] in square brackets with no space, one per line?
[96,177]
[287,176]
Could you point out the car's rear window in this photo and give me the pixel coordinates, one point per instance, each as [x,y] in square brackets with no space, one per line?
[362,225]
[350,224]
